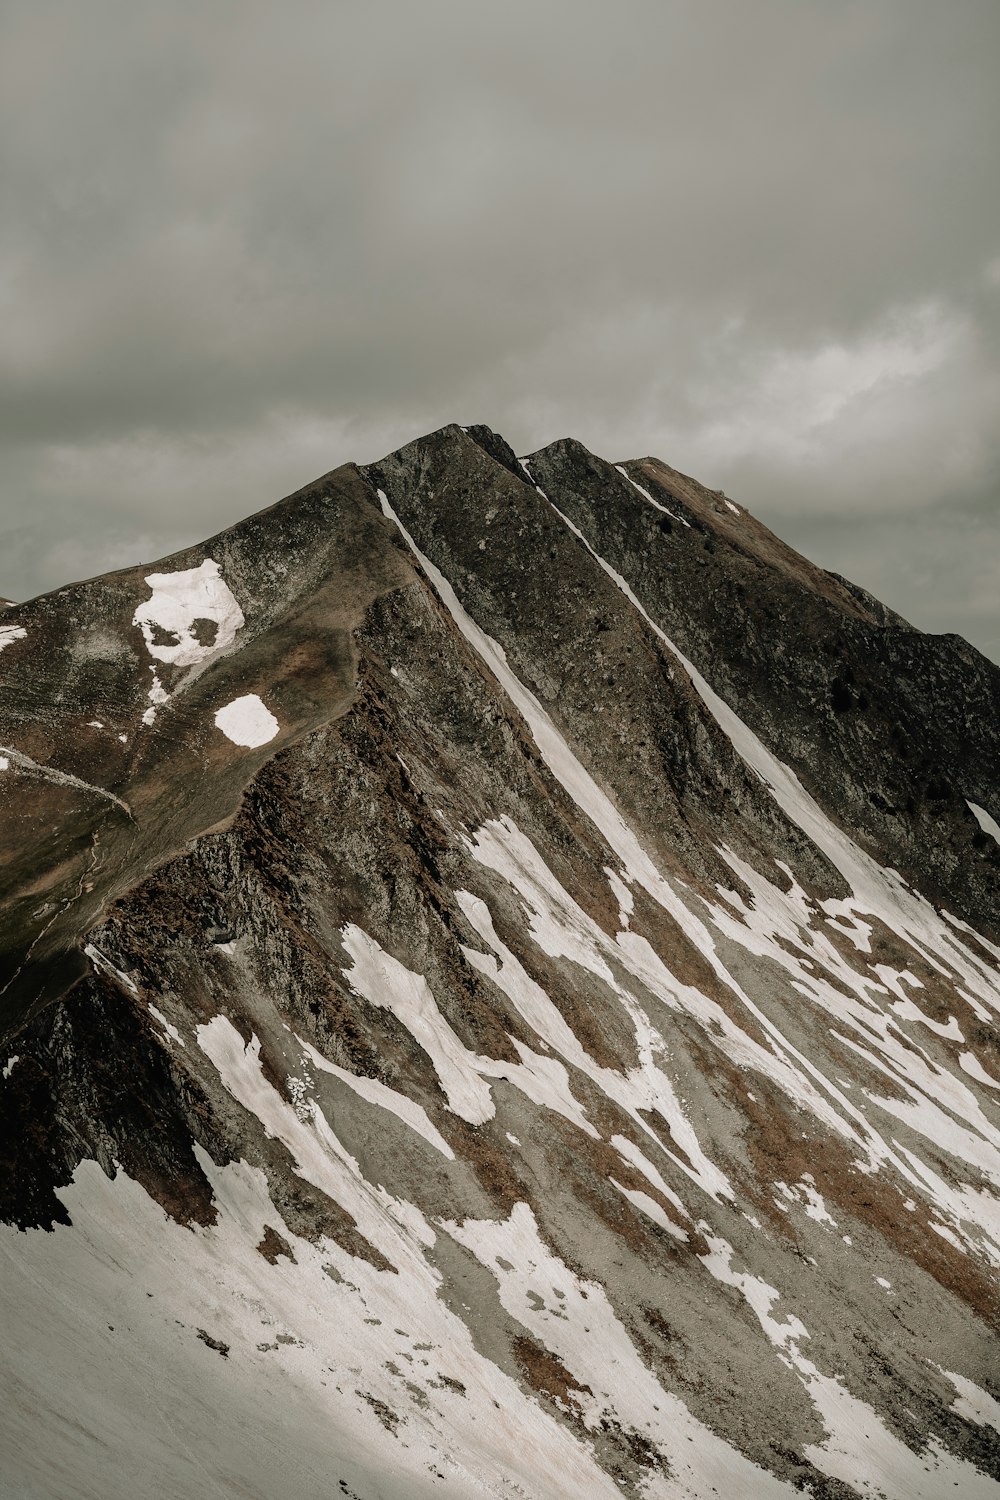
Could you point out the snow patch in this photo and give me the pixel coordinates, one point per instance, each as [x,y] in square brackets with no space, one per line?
[384,982]
[100,962]
[987,824]
[132,1401]
[463,1075]
[168,1026]
[11,633]
[375,1092]
[178,601]
[805,1192]
[907,1011]
[972,1403]
[648,497]
[157,695]
[858,1448]
[624,897]
[970,1064]
[575,1321]
[246,721]
[649,1206]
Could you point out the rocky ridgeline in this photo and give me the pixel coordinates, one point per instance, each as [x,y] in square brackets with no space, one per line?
[500,985]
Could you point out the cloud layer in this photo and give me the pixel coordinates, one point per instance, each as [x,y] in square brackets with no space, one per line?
[243,243]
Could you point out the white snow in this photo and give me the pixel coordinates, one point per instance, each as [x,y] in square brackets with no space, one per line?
[464,1076]
[630,1152]
[861,1450]
[973,1403]
[858,1448]
[375,1092]
[316,1152]
[970,1064]
[4,763]
[246,721]
[575,1321]
[11,633]
[506,971]
[383,981]
[98,959]
[987,824]
[157,695]
[622,894]
[947,1234]
[168,1026]
[648,497]
[562,929]
[805,1192]
[545,1081]
[10,1064]
[180,599]
[649,1206]
[132,1402]
[907,1011]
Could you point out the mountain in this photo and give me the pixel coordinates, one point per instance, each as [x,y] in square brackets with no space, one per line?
[501,974]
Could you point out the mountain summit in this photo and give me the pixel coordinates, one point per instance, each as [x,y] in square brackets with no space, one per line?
[499,995]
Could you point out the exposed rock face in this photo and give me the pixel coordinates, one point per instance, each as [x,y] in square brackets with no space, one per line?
[501,997]
[110,689]
[889,728]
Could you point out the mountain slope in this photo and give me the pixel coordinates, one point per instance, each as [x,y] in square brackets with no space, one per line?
[521,1069]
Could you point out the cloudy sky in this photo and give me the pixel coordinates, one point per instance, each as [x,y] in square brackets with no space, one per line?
[244,242]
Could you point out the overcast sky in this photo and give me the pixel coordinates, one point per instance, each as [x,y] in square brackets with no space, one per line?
[242,243]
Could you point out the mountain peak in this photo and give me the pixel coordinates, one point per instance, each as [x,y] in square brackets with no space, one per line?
[501,974]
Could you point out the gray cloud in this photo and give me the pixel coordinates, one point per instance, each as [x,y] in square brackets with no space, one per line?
[245,242]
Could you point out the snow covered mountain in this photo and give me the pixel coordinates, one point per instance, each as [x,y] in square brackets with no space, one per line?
[500,993]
